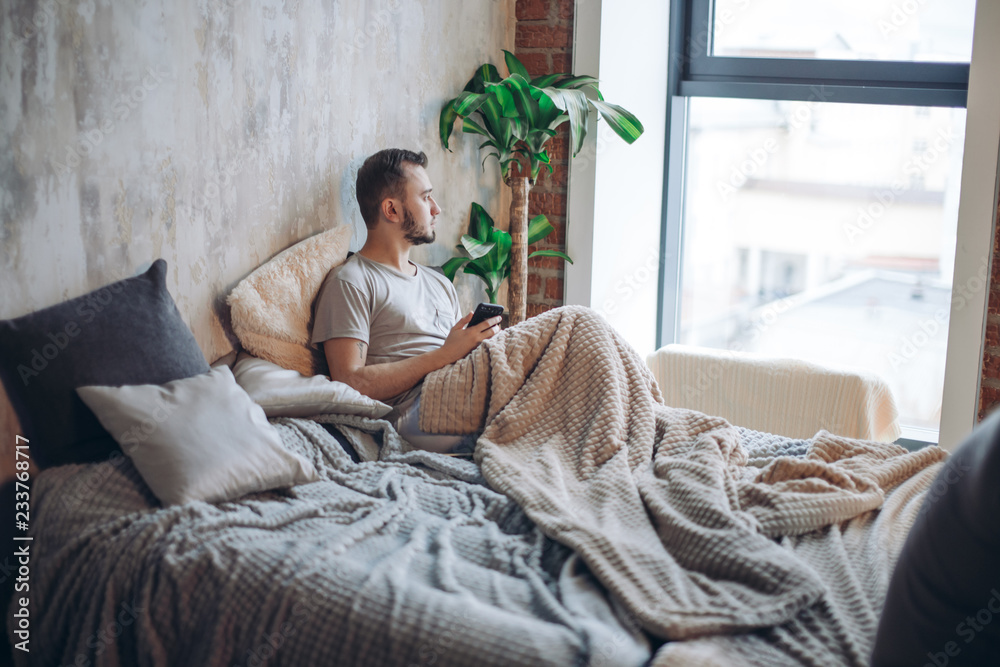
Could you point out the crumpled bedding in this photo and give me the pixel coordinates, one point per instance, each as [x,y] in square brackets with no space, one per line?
[415,558]
[410,560]
[660,502]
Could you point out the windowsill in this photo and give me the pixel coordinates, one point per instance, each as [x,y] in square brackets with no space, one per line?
[914,437]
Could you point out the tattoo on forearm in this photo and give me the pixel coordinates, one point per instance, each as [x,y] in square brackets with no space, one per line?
[361,350]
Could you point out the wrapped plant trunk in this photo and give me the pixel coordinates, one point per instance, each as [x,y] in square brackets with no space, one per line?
[517,296]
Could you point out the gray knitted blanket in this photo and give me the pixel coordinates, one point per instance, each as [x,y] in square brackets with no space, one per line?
[659,502]
[410,560]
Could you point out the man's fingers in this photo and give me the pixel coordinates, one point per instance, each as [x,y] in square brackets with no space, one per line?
[492,328]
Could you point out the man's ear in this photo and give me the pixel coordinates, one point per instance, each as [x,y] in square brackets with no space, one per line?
[392,209]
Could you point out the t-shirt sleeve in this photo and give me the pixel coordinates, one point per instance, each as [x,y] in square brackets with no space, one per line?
[453,295]
[342,311]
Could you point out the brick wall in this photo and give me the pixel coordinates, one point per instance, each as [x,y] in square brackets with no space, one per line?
[989,392]
[544,43]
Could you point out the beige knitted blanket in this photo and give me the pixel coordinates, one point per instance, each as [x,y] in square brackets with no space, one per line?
[657,501]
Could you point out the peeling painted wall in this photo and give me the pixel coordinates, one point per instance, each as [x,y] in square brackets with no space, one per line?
[216,133]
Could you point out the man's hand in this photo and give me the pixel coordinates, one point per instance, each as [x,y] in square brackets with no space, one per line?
[346,358]
[462,340]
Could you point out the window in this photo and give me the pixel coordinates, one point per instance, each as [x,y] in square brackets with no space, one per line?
[812,184]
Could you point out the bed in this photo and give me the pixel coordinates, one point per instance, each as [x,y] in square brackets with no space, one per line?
[594,525]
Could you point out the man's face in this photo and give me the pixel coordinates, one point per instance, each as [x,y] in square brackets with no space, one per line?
[419,207]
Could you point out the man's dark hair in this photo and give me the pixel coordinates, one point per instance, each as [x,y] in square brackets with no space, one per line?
[382,176]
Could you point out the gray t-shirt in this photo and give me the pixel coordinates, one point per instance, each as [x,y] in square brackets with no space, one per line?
[397,315]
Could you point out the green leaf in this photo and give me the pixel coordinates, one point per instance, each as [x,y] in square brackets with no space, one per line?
[538,228]
[504,97]
[486,73]
[523,99]
[491,278]
[451,267]
[550,253]
[472,127]
[537,139]
[514,65]
[447,123]
[466,102]
[488,156]
[558,121]
[622,121]
[546,80]
[493,120]
[497,257]
[480,223]
[548,112]
[517,129]
[577,82]
[475,247]
[574,103]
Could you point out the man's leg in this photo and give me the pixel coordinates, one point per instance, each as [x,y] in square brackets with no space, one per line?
[408,426]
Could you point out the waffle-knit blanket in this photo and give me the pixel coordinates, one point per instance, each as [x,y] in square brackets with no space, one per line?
[658,501]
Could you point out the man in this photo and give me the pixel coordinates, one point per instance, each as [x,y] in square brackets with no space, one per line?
[384,321]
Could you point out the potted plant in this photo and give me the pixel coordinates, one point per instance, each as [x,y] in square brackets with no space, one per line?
[518,115]
[488,250]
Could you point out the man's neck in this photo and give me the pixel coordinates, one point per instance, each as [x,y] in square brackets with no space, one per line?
[393,255]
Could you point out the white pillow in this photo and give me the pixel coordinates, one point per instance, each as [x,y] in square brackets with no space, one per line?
[198,438]
[285,393]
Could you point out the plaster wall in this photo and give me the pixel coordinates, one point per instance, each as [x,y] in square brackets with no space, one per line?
[216,133]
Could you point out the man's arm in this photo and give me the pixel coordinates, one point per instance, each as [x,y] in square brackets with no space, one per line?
[346,358]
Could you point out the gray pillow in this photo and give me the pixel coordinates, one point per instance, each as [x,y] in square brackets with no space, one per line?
[943,604]
[198,438]
[129,332]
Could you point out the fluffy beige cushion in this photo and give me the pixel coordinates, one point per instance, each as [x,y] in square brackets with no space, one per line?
[272,307]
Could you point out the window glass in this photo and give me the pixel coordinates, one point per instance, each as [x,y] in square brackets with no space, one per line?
[902,30]
[824,232]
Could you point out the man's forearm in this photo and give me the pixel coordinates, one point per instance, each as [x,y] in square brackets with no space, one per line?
[383,381]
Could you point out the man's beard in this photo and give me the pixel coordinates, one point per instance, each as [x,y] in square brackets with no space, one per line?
[410,232]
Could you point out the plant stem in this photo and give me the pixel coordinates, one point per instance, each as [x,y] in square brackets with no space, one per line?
[517,297]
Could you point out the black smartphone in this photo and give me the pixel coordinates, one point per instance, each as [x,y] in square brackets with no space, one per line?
[484,311]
